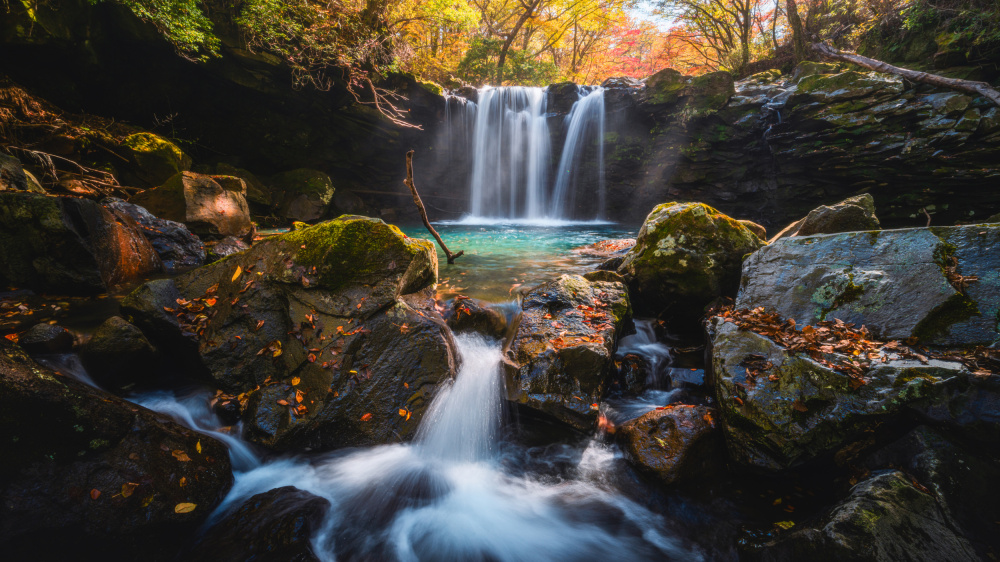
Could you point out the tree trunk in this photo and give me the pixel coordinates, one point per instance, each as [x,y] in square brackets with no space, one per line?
[967,86]
[798,34]
[529,9]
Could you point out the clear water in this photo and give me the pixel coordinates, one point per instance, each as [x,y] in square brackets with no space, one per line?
[501,257]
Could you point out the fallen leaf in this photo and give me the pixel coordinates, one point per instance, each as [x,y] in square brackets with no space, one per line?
[283,402]
[402,412]
[181,455]
[183,482]
[149,500]
[259,324]
[184,507]
[128,488]
[197,446]
[366,417]
[239,271]
[95,493]
[296,381]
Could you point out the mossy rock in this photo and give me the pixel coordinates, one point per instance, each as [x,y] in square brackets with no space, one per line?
[432,87]
[302,194]
[686,255]
[812,68]
[156,159]
[764,77]
[665,87]
[709,92]
[846,85]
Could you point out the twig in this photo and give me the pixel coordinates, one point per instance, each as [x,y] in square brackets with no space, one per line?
[926,214]
[423,213]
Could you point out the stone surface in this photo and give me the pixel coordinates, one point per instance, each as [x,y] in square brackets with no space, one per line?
[852,214]
[799,410]
[885,519]
[69,245]
[563,348]
[201,203]
[116,354]
[473,315]
[46,338]
[155,158]
[892,281]
[101,474]
[177,247]
[686,255]
[273,526]
[672,444]
[218,249]
[331,308]
[12,176]
[301,195]
[257,192]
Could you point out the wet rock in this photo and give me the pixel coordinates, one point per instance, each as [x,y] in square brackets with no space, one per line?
[46,338]
[201,203]
[473,315]
[634,373]
[177,247]
[155,158]
[850,215]
[274,526]
[621,93]
[898,283]
[257,192]
[885,518]
[562,352]
[327,308]
[844,86]
[672,444]
[469,93]
[794,409]
[12,176]
[561,97]
[301,195]
[117,353]
[664,87]
[686,255]
[101,474]
[218,249]
[69,245]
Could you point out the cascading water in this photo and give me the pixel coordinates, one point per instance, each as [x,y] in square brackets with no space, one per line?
[456,495]
[511,155]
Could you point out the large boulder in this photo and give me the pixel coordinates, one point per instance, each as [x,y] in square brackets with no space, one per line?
[685,256]
[672,443]
[781,408]
[46,338]
[561,354]
[301,195]
[177,247]
[939,285]
[207,207]
[101,474]
[885,519]
[117,353]
[69,245]
[321,328]
[850,215]
[473,315]
[700,96]
[155,158]
[273,526]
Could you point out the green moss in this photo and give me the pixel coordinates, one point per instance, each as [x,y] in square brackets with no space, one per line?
[958,308]
[148,143]
[304,181]
[665,87]
[432,87]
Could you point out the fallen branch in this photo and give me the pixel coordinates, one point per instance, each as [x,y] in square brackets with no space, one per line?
[423,213]
[967,86]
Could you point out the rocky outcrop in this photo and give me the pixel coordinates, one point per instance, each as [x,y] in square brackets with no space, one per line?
[886,518]
[101,474]
[938,285]
[177,247]
[116,354]
[155,159]
[473,315]
[215,250]
[780,408]
[69,245]
[850,215]
[321,327]
[273,526]
[686,255]
[673,443]
[207,207]
[301,195]
[561,354]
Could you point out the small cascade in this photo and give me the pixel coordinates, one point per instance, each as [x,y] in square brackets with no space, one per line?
[585,126]
[511,151]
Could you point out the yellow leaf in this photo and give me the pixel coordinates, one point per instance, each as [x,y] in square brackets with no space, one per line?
[239,271]
[128,488]
[296,381]
[149,500]
[183,482]
[184,507]
[277,349]
[197,447]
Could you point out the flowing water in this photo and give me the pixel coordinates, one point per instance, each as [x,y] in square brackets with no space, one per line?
[510,135]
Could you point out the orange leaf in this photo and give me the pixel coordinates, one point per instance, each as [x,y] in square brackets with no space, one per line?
[366,417]
[128,488]
[95,493]
[259,324]
[210,302]
[402,412]
[181,455]
[184,507]
[239,270]
[283,402]
[296,381]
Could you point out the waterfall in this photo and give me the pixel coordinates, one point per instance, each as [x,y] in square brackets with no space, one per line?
[509,137]
[586,116]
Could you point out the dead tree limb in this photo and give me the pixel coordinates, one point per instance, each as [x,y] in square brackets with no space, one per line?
[423,213]
[967,86]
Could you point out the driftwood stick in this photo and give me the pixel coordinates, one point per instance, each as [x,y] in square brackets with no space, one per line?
[423,213]
[967,86]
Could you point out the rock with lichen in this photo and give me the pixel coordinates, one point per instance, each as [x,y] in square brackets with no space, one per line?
[939,285]
[686,255]
[210,206]
[324,331]
[154,158]
[301,195]
[672,443]
[850,215]
[560,357]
